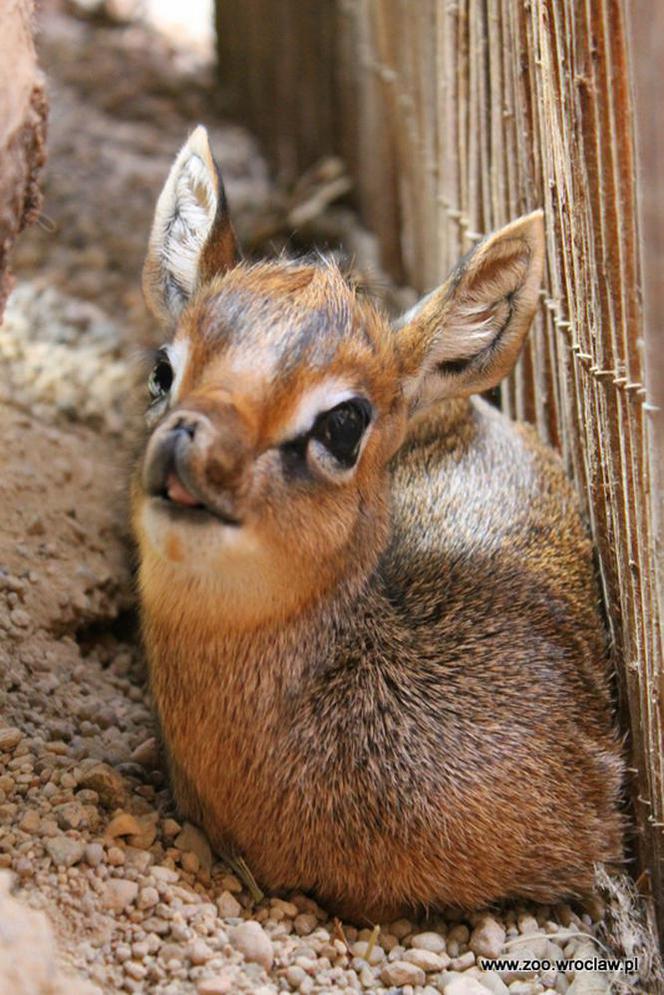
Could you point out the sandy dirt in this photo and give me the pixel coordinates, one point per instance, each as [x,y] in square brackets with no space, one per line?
[134,900]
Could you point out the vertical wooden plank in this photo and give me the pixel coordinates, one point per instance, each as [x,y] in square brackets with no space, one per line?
[646,29]
[22,130]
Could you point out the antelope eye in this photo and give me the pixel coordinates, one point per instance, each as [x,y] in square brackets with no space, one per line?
[341,429]
[161,377]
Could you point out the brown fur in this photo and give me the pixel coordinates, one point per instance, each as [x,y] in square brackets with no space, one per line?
[406,704]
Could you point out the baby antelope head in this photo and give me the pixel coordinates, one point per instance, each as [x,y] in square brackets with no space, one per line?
[282,396]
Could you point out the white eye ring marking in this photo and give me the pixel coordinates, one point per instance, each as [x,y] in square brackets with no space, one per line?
[323,397]
[178,352]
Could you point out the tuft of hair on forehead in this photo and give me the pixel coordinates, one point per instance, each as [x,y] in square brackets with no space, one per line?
[304,298]
[308,277]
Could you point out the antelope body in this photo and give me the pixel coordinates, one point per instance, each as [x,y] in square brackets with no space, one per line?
[368,600]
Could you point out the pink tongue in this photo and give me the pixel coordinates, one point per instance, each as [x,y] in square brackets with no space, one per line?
[178,493]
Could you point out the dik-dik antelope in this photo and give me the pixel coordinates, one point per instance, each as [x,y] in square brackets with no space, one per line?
[367,596]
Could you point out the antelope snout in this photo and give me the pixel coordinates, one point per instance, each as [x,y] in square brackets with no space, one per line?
[192,462]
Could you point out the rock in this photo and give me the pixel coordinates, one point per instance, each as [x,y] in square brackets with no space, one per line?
[144,839]
[459,934]
[427,960]
[493,983]
[20,618]
[71,815]
[118,893]
[170,828]
[463,961]
[135,970]
[64,852]
[115,856]
[28,956]
[171,951]
[465,986]
[94,854]
[402,972]
[147,754]
[190,862]
[156,925]
[230,883]
[253,943]
[180,932]
[305,923]
[433,942]
[148,898]
[360,948]
[487,938]
[198,952]
[590,983]
[401,928]
[228,906]
[289,909]
[140,859]
[219,985]
[107,783]
[30,822]
[193,839]
[520,953]
[295,975]
[10,737]
[165,874]
[123,824]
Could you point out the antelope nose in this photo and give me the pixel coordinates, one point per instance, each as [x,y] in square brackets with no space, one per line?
[185,425]
[168,462]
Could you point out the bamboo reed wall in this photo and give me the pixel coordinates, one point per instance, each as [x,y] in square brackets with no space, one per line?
[454,118]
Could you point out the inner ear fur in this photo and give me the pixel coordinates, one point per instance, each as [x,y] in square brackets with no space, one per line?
[464,337]
[192,237]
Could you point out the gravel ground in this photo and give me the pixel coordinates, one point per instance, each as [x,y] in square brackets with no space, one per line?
[102,887]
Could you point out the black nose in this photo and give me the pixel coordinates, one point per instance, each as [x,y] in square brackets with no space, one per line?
[185,426]
[168,453]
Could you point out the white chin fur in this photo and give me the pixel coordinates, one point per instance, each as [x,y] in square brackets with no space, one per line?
[207,546]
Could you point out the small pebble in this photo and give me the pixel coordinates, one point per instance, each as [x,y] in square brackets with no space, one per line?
[123,824]
[199,952]
[191,838]
[65,852]
[305,923]
[10,737]
[107,783]
[433,942]
[488,938]
[228,906]
[220,985]
[465,986]
[94,854]
[148,898]
[427,960]
[402,972]
[253,943]
[118,893]
[360,948]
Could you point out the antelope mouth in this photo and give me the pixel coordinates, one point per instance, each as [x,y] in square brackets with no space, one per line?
[184,504]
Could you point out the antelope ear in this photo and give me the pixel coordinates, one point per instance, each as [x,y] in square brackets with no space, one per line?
[192,237]
[464,337]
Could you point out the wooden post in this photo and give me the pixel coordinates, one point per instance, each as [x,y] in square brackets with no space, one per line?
[647,29]
[22,129]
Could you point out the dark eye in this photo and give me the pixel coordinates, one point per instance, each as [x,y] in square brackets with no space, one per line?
[341,429]
[161,377]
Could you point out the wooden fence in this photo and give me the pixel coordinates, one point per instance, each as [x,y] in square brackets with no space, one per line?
[455,116]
